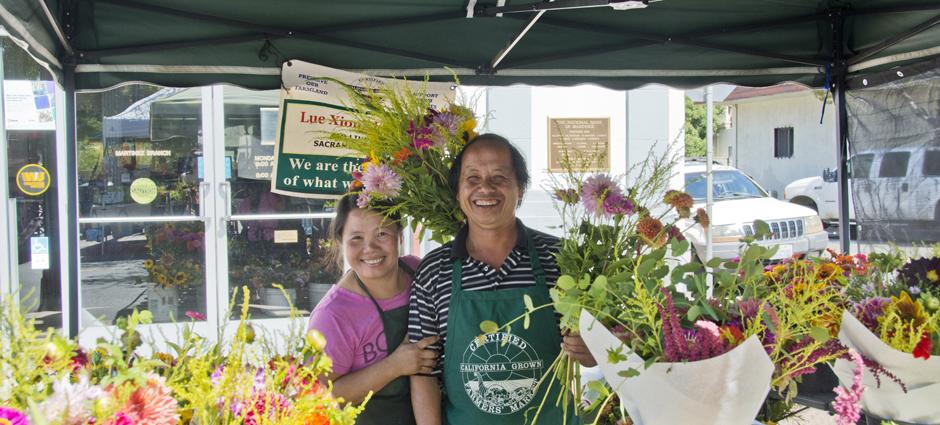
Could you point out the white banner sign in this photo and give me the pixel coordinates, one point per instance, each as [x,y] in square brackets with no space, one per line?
[313,105]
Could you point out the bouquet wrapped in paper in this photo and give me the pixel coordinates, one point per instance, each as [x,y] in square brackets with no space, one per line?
[727,389]
[893,323]
[615,267]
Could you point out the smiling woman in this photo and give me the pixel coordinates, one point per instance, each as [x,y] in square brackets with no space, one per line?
[364,317]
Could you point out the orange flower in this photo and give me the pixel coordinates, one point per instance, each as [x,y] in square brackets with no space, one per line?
[650,231]
[403,154]
[701,217]
[681,201]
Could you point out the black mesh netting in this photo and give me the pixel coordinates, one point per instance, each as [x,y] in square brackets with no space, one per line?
[894,146]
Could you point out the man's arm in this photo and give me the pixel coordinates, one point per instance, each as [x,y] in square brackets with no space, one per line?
[426,399]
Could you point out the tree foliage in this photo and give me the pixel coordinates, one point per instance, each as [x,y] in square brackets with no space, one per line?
[695,127]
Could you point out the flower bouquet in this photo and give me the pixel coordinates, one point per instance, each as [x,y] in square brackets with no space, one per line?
[176,254]
[894,321]
[409,147]
[48,379]
[652,325]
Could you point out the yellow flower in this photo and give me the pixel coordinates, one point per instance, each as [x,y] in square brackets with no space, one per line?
[828,271]
[469,125]
[180,278]
[932,276]
[148,264]
[908,310]
[162,280]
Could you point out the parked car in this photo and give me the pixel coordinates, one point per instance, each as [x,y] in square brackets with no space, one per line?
[738,202]
[889,185]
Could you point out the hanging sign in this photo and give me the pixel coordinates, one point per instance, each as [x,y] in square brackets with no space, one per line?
[29,105]
[33,179]
[313,105]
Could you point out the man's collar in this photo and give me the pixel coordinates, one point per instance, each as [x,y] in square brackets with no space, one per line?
[459,248]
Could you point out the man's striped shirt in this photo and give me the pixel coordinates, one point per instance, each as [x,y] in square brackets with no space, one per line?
[431,289]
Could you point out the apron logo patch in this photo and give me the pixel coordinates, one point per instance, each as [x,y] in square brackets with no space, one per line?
[500,372]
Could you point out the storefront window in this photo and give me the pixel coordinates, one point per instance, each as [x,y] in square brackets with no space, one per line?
[29,112]
[142,237]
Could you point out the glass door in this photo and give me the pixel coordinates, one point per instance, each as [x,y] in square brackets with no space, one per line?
[146,234]
[30,205]
[268,239]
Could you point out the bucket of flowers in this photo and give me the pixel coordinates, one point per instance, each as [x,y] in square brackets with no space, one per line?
[894,320]
[176,254]
[46,378]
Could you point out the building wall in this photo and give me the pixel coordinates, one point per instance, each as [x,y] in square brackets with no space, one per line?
[752,138]
[640,121]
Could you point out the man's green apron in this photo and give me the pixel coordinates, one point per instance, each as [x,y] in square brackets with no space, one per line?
[494,379]
[392,403]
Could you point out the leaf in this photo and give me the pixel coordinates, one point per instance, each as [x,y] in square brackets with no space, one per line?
[714,262]
[599,288]
[598,387]
[629,373]
[761,229]
[679,247]
[819,334]
[566,282]
[489,327]
[694,313]
[525,321]
[615,356]
[527,300]
[650,362]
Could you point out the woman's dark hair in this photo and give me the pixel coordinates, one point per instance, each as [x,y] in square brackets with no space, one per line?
[344,206]
[518,163]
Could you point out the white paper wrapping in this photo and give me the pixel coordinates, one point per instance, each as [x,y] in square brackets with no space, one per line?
[724,390]
[921,403]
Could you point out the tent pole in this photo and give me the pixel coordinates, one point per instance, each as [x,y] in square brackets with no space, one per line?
[7,254]
[71,227]
[839,70]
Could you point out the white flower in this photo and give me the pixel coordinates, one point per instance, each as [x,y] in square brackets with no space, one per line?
[70,404]
[6,381]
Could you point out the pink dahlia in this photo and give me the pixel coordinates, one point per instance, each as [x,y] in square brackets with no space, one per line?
[382,180]
[151,404]
[9,415]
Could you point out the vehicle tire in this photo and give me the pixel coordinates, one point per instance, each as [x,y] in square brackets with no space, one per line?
[806,202]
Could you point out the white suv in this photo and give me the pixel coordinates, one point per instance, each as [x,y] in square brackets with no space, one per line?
[738,203]
[901,185]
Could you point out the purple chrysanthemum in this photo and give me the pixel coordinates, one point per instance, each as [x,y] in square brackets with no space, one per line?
[595,191]
[616,203]
[870,310]
[381,180]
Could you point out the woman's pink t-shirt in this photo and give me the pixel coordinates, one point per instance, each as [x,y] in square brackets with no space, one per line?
[355,337]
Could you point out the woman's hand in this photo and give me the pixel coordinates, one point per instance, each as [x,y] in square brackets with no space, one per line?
[576,349]
[410,359]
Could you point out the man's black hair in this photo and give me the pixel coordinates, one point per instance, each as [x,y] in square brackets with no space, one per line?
[518,163]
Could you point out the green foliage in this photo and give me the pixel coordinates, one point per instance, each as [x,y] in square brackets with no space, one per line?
[695,127]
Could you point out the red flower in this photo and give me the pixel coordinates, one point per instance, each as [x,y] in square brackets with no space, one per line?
[195,315]
[922,350]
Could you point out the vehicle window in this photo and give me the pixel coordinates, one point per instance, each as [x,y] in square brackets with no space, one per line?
[861,166]
[727,184]
[894,164]
[932,163]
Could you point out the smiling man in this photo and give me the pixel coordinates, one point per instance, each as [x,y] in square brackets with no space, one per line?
[483,274]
